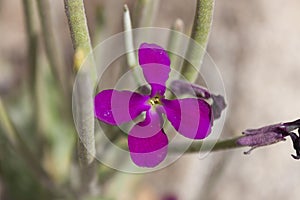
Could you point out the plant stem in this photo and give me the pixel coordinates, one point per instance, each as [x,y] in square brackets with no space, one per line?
[17,142]
[78,26]
[131,59]
[129,45]
[31,42]
[200,33]
[82,45]
[196,146]
[52,50]
[145,11]
[174,44]
[32,65]
[75,13]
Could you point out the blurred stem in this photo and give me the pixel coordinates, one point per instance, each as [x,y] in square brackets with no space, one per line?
[52,50]
[31,42]
[131,59]
[174,43]
[145,11]
[16,141]
[75,13]
[129,45]
[200,33]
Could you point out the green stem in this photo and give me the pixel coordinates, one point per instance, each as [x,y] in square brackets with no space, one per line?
[82,45]
[31,41]
[32,44]
[200,33]
[174,44]
[145,11]
[51,47]
[17,142]
[75,13]
[78,25]
[130,54]
[129,45]
[195,146]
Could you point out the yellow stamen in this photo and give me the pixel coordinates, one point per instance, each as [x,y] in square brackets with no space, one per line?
[155,100]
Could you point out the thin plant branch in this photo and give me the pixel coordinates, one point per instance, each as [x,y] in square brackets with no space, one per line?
[174,44]
[131,58]
[129,45]
[31,42]
[200,34]
[16,141]
[52,50]
[145,12]
[195,146]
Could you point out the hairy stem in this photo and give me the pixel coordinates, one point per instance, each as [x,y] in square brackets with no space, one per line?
[82,45]
[75,13]
[200,33]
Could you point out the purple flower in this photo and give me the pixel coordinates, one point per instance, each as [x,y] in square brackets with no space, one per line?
[271,134]
[180,87]
[147,142]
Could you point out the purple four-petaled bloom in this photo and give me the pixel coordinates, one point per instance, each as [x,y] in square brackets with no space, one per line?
[147,142]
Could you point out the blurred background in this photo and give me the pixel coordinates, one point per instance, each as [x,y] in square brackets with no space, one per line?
[254,43]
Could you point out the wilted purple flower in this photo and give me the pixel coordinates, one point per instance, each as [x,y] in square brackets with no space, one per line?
[147,141]
[271,134]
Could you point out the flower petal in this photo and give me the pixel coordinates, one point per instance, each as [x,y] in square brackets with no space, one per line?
[117,107]
[155,63]
[191,117]
[147,142]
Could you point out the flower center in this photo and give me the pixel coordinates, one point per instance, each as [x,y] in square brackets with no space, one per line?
[156,100]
